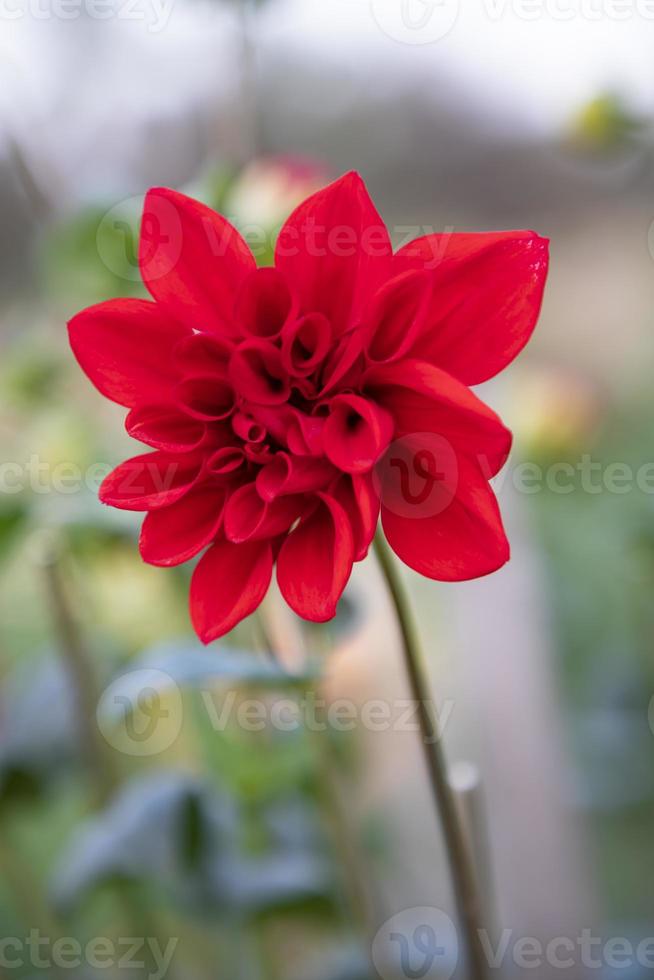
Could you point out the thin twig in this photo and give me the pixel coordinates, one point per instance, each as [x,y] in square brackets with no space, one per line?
[78,662]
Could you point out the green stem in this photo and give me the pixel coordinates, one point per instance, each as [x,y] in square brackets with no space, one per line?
[461,868]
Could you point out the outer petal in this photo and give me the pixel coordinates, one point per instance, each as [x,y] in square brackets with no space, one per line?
[424,399]
[336,251]
[397,315]
[487,294]
[462,538]
[228,584]
[165,427]
[315,561]
[150,481]
[359,496]
[125,347]
[193,261]
[174,534]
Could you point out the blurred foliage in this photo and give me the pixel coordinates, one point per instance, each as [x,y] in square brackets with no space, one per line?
[599,551]
[604,124]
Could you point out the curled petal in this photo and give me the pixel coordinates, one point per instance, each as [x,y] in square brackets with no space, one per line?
[165,427]
[304,434]
[177,533]
[126,348]
[424,399]
[487,294]
[248,517]
[460,537]
[225,460]
[228,584]
[336,248]
[315,561]
[265,304]
[305,344]
[257,373]
[247,428]
[356,433]
[207,399]
[286,474]
[150,481]
[192,260]
[258,452]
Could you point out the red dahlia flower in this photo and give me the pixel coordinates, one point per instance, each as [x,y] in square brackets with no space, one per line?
[286,406]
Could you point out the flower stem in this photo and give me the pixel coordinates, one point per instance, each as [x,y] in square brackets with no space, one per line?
[461,867]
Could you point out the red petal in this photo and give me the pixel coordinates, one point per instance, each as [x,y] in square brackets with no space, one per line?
[192,260]
[304,434]
[256,372]
[424,399]
[397,315]
[174,534]
[248,517]
[264,305]
[315,561]
[305,344]
[344,363]
[150,481]
[487,294]
[125,347]
[356,433]
[462,538]
[203,354]
[208,399]
[228,584]
[335,250]
[248,428]
[292,474]
[225,460]
[359,497]
[164,427]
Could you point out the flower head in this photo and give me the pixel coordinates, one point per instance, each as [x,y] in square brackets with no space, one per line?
[287,406]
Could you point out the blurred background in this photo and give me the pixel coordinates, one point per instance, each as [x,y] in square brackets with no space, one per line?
[134,800]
